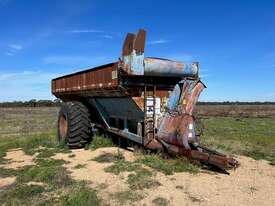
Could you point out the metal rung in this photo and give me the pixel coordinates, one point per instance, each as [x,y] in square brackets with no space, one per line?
[149,111]
[151,131]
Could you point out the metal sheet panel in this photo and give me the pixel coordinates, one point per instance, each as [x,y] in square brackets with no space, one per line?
[121,108]
[105,78]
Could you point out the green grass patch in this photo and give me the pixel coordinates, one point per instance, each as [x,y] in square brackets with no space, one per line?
[127,196]
[108,157]
[272,161]
[20,194]
[7,172]
[45,153]
[71,155]
[48,162]
[29,143]
[253,137]
[100,141]
[141,179]
[122,166]
[49,152]
[23,191]
[80,194]
[79,166]
[2,159]
[160,201]
[48,171]
[169,166]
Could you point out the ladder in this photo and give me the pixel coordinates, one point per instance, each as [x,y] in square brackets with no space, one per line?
[149,113]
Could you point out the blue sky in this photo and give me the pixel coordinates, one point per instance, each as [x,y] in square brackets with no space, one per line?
[234,41]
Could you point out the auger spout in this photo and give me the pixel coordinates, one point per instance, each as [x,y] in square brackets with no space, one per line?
[177,130]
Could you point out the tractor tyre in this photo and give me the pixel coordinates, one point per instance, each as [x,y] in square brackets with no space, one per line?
[74,128]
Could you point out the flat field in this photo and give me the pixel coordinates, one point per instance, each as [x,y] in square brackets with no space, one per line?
[35,170]
[236,110]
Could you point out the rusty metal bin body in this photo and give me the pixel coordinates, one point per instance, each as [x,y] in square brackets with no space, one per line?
[98,81]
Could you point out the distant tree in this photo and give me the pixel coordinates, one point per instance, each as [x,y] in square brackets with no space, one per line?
[32,103]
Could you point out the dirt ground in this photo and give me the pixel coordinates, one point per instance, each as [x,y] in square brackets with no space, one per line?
[17,158]
[253,183]
[6,182]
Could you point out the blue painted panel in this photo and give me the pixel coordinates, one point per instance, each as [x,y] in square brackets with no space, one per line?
[174,98]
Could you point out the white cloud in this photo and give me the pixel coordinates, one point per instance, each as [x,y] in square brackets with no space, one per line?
[78,61]
[8,53]
[184,57]
[26,85]
[85,31]
[159,41]
[13,49]
[6,76]
[202,75]
[108,36]
[66,60]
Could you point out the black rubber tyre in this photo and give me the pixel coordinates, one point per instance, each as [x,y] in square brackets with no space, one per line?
[74,128]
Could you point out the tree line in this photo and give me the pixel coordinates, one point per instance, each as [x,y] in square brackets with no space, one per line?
[32,103]
[236,103]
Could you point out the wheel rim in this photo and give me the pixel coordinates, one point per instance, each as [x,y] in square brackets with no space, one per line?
[63,126]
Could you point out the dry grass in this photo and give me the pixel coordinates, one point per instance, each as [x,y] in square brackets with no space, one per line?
[253,137]
[24,120]
[236,110]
